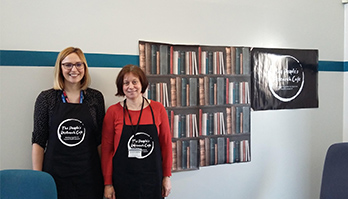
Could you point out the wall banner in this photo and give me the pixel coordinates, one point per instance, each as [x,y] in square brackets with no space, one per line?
[284,78]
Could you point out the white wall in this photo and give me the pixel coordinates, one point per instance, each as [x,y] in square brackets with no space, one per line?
[288,146]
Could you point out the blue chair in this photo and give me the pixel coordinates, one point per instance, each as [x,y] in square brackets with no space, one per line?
[334,184]
[29,184]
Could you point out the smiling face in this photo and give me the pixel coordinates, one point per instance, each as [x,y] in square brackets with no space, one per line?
[72,75]
[131,86]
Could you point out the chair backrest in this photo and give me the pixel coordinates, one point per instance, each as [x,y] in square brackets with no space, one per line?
[334,184]
[27,184]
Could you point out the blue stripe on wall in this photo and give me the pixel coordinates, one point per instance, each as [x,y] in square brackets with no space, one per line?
[332,66]
[37,58]
[40,58]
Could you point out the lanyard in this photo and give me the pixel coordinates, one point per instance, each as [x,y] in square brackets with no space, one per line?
[126,109]
[66,100]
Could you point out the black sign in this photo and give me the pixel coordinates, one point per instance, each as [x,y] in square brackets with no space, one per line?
[284,78]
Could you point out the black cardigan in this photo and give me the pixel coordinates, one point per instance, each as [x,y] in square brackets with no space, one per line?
[47,100]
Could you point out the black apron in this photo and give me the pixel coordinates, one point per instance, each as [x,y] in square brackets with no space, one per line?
[137,163]
[71,156]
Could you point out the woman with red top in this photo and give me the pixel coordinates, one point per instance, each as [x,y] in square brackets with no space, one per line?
[136,142]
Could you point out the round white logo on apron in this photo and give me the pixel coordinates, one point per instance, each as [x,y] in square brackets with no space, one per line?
[71,132]
[140,145]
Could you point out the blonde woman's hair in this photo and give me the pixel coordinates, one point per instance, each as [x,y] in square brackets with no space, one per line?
[58,83]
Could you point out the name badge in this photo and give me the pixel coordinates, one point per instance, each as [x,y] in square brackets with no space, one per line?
[134,153]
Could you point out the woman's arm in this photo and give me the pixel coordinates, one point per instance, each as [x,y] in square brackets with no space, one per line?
[37,156]
[100,117]
[40,132]
[166,148]
[165,139]
[100,112]
[108,145]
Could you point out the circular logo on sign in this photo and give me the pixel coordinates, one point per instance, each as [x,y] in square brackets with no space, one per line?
[71,132]
[143,142]
[286,78]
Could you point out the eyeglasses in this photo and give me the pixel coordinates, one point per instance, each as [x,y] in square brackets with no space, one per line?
[134,82]
[69,66]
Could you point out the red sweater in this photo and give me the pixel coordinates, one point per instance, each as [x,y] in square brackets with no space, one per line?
[112,130]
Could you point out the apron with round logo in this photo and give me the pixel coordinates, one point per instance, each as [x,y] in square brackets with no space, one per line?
[71,156]
[137,163]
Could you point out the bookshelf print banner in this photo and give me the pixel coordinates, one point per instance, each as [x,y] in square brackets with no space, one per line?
[284,79]
[205,90]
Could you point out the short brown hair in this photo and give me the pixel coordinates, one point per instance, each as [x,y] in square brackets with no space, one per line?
[136,71]
[58,75]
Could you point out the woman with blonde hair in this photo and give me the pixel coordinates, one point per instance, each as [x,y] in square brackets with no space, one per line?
[68,121]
